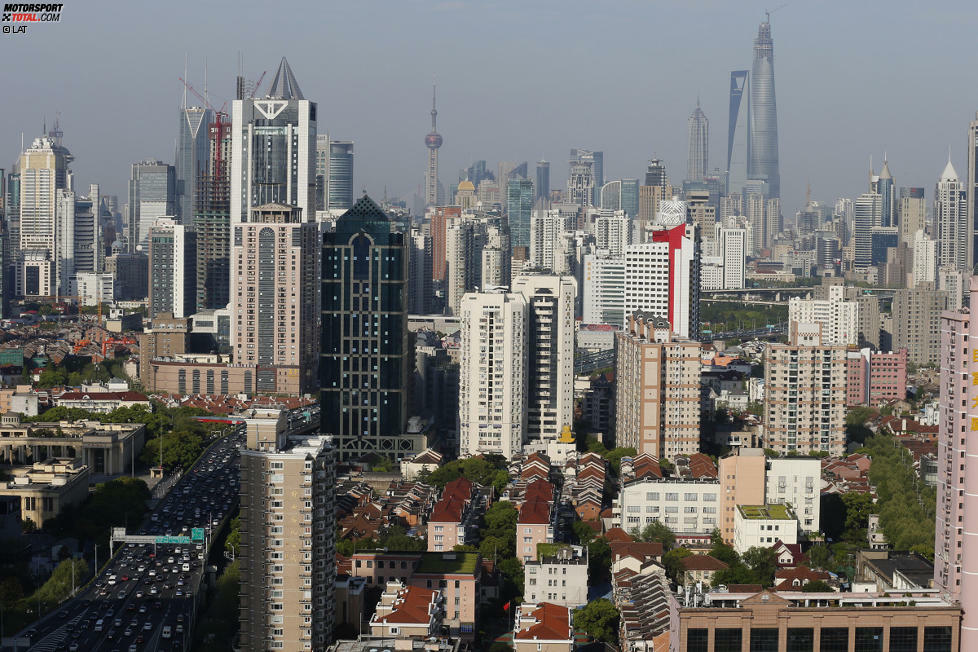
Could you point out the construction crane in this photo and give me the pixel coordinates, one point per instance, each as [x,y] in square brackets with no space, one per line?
[771,11]
[202,98]
[254,90]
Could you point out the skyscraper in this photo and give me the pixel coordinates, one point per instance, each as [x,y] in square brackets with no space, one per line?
[867,215]
[699,145]
[273,150]
[543,180]
[887,195]
[912,212]
[737,128]
[212,218]
[519,206]
[363,365]
[432,141]
[152,194]
[763,148]
[339,181]
[191,157]
[951,220]
[274,298]
[43,172]
[586,177]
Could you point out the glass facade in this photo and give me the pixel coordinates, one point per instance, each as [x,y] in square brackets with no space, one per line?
[340,184]
[364,357]
[519,207]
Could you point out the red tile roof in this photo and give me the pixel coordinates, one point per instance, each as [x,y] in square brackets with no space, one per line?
[702,563]
[553,624]
[617,534]
[536,512]
[103,396]
[410,607]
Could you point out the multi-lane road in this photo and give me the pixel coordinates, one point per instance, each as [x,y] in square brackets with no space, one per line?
[145,599]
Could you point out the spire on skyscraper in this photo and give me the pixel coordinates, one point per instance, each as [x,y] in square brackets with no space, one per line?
[284,86]
[762,162]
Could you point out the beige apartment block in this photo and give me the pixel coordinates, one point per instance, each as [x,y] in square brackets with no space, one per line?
[46,488]
[287,537]
[658,377]
[805,393]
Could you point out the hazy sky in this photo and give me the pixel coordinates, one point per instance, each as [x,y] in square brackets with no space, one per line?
[517,80]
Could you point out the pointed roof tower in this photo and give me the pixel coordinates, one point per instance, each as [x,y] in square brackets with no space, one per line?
[949,173]
[885,172]
[284,86]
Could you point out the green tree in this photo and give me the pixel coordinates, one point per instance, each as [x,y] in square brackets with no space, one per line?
[512,571]
[820,556]
[501,516]
[599,559]
[58,586]
[232,543]
[599,618]
[660,532]
[763,563]
[582,531]
[817,586]
[724,553]
[672,562]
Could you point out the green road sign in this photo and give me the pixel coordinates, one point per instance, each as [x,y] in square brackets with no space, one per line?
[197,534]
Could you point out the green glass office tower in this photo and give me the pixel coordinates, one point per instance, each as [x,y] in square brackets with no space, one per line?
[364,351]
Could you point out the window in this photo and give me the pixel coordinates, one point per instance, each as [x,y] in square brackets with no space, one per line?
[903,639]
[800,639]
[764,640]
[727,640]
[834,638]
[697,640]
[869,639]
[937,639]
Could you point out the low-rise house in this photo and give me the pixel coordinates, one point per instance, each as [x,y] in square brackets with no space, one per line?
[542,627]
[102,402]
[427,460]
[408,612]
[453,520]
[700,568]
[794,579]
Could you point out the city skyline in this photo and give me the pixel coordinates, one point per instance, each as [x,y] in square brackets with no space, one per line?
[845,128]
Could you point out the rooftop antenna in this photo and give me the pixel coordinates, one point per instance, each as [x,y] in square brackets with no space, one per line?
[206,100]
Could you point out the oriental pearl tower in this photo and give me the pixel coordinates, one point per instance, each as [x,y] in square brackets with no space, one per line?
[432,141]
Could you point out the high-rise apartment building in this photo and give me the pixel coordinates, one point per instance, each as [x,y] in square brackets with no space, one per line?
[152,194]
[438,226]
[658,395]
[287,551]
[43,169]
[916,322]
[460,262]
[836,316]
[971,190]
[419,289]
[550,347]
[701,212]
[732,250]
[612,233]
[172,268]
[924,258]
[884,186]
[604,290]
[737,128]
[546,227]
[805,393]
[519,208]
[433,142]
[951,221]
[364,359]
[274,298]
[662,277]
[493,376]
[273,149]
[956,532]
[763,130]
[191,157]
[699,145]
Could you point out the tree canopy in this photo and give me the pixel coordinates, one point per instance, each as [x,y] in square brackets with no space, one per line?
[488,470]
[599,618]
[907,507]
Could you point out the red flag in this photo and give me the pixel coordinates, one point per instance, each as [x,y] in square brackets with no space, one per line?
[506,607]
